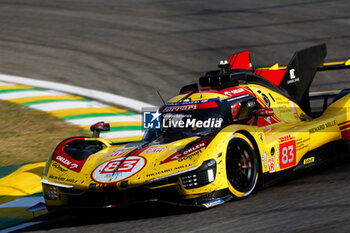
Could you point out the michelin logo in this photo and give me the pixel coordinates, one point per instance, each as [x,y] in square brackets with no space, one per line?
[213,203]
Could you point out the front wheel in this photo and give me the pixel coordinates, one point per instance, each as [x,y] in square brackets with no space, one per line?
[242,167]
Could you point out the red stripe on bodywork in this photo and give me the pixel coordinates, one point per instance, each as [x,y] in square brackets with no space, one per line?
[263,122]
[344,127]
[274,76]
[343,123]
[257,72]
[189,150]
[232,59]
[276,118]
[345,134]
[263,104]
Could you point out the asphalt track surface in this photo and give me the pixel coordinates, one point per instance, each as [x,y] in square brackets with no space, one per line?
[133,48]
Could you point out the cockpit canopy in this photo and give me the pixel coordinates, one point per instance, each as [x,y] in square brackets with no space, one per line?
[200,118]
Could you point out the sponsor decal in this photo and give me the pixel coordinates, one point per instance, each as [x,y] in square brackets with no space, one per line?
[234,92]
[180,108]
[288,154]
[264,158]
[285,138]
[118,169]
[63,179]
[190,156]
[182,153]
[118,153]
[189,107]
[309,160]
[214,203]
[272,164]
[293,78]
[188,102]
[183,166]
[169,170]
[58,167]
[159,172]
[71,164]
[63,160]
[155,150]
[322,126]
[302,143]
[317,128]
[292,73]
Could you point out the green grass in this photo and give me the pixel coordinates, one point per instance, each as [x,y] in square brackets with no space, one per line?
[27,135]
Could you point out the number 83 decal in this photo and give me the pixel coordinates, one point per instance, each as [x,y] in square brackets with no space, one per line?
[287,154]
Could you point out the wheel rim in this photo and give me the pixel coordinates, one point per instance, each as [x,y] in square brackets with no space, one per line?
[241,166]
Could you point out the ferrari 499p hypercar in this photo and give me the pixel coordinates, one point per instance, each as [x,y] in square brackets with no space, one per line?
[240,128]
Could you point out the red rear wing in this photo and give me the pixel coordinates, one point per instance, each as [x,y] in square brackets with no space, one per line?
[240,61]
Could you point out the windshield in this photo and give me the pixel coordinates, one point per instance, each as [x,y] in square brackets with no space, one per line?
[177,125]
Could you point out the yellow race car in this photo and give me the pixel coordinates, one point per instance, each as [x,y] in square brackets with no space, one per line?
[242,129]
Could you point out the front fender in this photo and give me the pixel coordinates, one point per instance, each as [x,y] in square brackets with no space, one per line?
[217,148]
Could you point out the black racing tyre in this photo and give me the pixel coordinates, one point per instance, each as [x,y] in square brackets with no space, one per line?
[242,166]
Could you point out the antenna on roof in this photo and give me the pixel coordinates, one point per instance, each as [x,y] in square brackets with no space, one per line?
[161,97]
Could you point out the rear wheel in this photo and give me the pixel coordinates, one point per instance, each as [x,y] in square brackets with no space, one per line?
[241,166]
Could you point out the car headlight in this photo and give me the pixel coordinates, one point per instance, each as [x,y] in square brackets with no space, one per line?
[204,175]
[50,192]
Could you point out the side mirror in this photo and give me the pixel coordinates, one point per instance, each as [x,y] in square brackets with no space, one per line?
[98,127]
